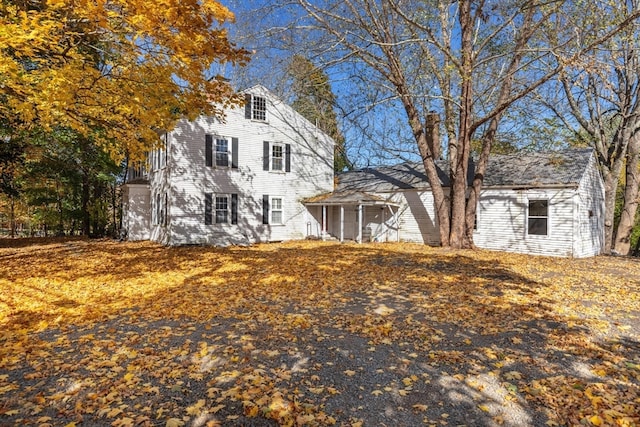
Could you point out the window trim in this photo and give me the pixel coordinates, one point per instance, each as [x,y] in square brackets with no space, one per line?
[214,147]
[529,217]
[268,157]
[255,108]
[211,151]
[225,198]
[211,208]
[273,209]
[273,158]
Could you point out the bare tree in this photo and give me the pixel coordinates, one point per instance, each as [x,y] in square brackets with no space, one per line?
[469,60]
[601,104]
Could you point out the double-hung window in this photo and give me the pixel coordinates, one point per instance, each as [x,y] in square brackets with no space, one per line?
[222,152]
[538,218]
[220,208]
[277,157]
[272,210]
[276,210]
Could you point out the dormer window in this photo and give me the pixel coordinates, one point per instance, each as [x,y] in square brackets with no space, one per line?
[255,107]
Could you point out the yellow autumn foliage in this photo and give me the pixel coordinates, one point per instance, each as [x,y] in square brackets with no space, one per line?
[120,70]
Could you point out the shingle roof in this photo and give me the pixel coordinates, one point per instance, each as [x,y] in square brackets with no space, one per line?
[346,198]
[513,170]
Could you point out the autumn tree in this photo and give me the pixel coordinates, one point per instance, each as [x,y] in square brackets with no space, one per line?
[114,71]
[314,99]
[601,105]
[469,61]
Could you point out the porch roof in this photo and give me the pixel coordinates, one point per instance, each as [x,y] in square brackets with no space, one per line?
[341,198]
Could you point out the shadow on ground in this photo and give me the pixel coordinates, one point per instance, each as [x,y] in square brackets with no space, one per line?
[109,333]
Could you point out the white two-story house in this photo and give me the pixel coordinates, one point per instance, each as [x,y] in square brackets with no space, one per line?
[265,174]
[239,180]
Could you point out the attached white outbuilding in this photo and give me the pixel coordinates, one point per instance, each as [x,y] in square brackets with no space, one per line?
[535,203]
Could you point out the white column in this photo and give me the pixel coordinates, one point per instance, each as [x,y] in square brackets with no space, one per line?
[324,221]
[359,223]
[341,223]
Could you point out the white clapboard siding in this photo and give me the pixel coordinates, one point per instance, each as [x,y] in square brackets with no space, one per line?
[136,211]
[502,221]
[589,217]
[189,178]
[418,222]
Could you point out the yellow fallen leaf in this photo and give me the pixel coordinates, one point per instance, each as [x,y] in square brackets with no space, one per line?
[376,392]
[349,373]
[174,422]
[251,411]
[216,408]
[484,408]
[596,420]
[420,407]
[114,412]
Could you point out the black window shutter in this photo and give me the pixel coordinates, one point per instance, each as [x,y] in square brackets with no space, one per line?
[208,150]
[287,158]
[234,208]
[208,208]
[266,155]
[234,153]
[247,106]
[265,209]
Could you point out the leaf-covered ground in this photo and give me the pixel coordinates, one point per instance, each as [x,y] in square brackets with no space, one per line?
[307,333]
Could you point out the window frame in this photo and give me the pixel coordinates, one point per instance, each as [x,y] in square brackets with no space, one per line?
[258,108]
[546,217]
[212,205]
[273,158]
[273,209]
[216,209]
[217,153]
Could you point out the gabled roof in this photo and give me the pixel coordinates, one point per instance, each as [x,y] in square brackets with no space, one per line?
[260,90]
[522,170]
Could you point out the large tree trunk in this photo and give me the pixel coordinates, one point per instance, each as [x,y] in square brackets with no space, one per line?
[610,188]
[439,199]
[460,163]
[630,204]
